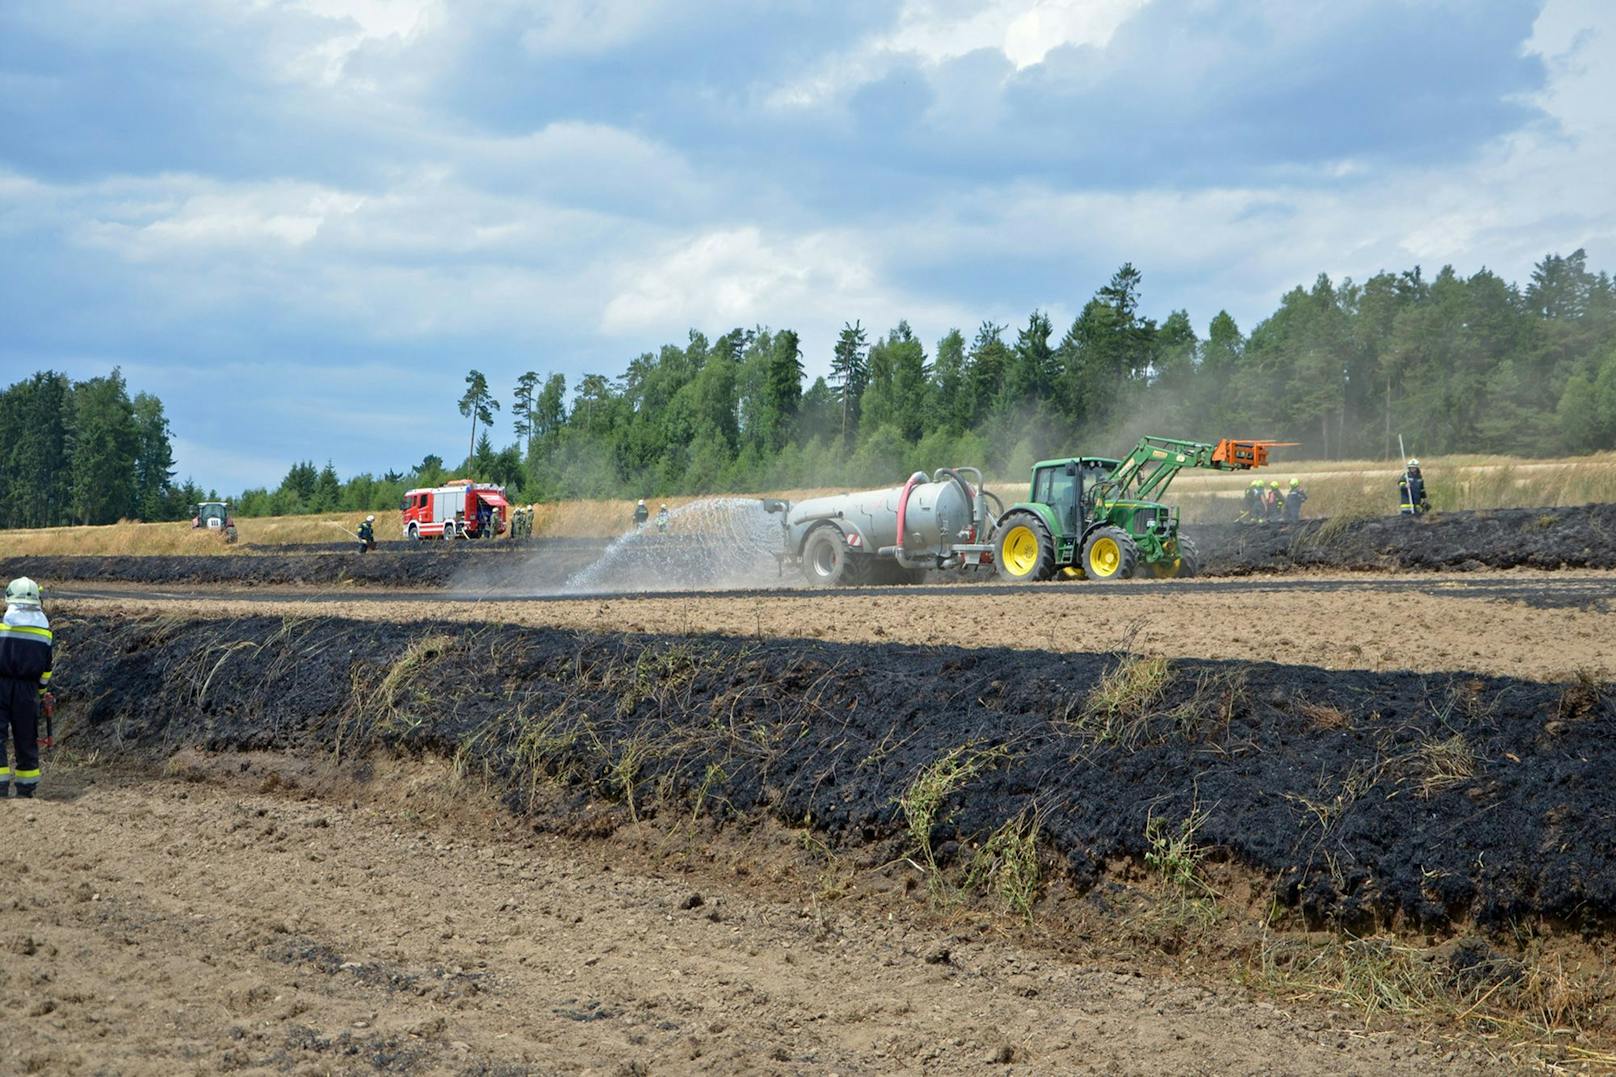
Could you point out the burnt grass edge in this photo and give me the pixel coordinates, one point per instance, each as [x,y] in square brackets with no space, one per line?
[1401,800]
[1580,537]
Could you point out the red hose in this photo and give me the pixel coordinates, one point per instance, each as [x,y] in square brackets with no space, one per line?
[903,505]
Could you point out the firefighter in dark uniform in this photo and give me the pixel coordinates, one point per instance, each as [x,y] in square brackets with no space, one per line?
[1293,501]
[367,534]
[1411,491]
[25,672]
[641,514]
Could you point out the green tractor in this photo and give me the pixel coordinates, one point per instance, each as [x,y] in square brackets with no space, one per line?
[1101,518]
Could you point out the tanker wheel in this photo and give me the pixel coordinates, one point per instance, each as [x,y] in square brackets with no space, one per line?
[1023,550]
[1109,554]
[826,560]
[414,533]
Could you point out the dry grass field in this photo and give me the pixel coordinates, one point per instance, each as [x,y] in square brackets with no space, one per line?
[1352,488]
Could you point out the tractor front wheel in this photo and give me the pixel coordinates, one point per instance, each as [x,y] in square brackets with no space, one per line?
[1023,550]
[1189,559]
[1187,563]
[1109,554]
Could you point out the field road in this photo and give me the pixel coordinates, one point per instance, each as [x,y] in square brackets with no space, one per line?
[1542,625]
[208,925]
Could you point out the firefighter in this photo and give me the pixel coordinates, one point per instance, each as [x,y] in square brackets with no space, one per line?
[367,534]
[1293,500]
[25,673]
[662,520]
[1411,491]
[1254,501]
[485,520]
[1273,503]
[641,514]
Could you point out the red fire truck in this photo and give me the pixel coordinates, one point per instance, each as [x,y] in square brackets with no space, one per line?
[458,509]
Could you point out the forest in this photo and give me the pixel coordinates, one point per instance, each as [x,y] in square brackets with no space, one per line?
[1456,364]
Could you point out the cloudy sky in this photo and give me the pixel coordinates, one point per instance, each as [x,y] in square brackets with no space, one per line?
[300,222]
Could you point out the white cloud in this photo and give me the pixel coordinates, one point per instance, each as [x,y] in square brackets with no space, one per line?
[1024,31]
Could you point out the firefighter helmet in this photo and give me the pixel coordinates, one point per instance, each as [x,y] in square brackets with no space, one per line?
[23,592]
[1274,484]
[1295,483]
[371,518]
[1412,462]
[642,502]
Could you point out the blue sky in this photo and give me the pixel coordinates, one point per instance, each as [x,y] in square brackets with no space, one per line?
[300,222]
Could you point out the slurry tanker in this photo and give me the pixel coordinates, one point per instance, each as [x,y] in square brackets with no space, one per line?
[1095,517]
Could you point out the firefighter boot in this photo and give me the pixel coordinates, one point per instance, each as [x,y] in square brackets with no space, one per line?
[25,790]
[5,789]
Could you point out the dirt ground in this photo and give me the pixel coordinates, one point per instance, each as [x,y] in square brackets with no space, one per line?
[260,917]
[1344,622]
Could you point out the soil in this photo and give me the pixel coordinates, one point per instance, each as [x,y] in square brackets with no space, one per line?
[1556,538]
[279,921]
[1523,623]
[1365,798]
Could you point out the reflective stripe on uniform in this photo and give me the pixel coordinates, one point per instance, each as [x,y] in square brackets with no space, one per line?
[44,678]
[5,774]
[26,630]
[26,777]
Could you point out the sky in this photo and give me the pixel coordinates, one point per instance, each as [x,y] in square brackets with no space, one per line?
[300,222]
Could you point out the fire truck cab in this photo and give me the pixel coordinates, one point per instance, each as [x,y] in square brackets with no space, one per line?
[460,508]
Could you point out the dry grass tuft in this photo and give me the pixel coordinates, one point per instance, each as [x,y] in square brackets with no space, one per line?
[1535,1004]
[922,802]
[1440,764]
[1118,709]
[1007,865]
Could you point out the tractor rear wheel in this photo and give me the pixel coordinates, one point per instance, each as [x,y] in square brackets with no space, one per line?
[826,560]
[1023,550]
[1109,554]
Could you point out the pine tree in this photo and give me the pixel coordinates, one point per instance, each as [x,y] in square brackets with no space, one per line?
[849,370]
[154,460]
[479,405]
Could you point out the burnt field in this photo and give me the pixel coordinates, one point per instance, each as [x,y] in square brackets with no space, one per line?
[1357,799]
[1583,537]
[1579,537]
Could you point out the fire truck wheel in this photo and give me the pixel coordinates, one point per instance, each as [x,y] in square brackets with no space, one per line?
[414,533]
[448,529]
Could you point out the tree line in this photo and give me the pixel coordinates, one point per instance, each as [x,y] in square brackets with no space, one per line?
[85,452]
[1454,363]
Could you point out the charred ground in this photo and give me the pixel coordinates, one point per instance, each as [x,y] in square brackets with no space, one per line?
[1581,537]
[1362,798]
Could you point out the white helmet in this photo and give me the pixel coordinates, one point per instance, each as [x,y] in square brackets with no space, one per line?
[642,500]
[23,592]
[371,518]
[1413,462]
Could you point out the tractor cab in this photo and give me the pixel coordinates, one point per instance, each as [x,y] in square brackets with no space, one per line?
[215,516]
[1066,487]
